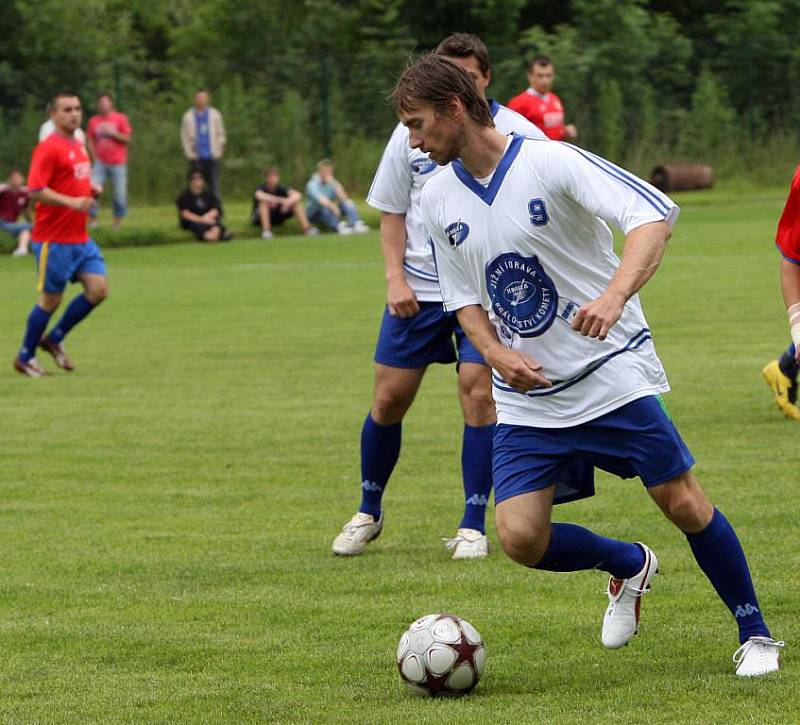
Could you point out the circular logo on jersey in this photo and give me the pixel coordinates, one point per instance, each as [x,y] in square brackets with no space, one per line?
[422,165]
[456,233]
[523,295]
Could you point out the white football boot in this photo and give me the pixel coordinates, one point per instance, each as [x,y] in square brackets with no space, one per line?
[621,620]
[468,544]
[758,656]
[356,534]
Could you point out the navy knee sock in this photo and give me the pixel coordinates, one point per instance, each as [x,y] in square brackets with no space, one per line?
[787,364]
[37,323]
[380,449]
[573,548]
[75,312]
[719,554]
[476,471]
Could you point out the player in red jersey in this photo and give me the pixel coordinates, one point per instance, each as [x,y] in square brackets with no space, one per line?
[781,375]
[541,106]
[59,183]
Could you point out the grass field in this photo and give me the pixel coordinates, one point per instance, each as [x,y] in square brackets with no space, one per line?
[167,510]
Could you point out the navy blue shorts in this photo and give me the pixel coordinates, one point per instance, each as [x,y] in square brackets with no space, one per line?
[430,336]
[60,264]
[638,439]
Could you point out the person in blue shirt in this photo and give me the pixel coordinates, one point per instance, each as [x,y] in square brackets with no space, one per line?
[328,203]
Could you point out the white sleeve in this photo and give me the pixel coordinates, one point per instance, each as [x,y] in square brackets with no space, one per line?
[391,187]
[604,189]
[508,121]
[457,292]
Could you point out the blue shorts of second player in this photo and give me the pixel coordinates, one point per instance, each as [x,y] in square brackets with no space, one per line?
[430,336]
[60,264]
[638,439]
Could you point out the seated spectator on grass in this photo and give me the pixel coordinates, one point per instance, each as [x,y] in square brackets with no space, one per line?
[13,203]
[274,203]
[328,202]
[198,209]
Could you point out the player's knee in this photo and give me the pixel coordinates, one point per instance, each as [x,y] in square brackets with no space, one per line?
[686,507]
[523,541]
[388,408]
[97,292]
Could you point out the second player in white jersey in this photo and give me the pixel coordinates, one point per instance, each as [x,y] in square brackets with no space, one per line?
[397,187]
[530,246]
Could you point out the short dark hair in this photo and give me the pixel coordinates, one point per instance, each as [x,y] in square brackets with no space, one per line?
[60,94]
[104,94]
[433,81]
[540,60]
[466,45]
[271,170]
[195,172]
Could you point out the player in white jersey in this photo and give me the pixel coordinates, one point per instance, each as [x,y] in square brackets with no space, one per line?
[525,257]
[416,332]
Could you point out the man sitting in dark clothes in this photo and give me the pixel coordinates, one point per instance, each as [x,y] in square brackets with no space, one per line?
[273,204]
[198,210]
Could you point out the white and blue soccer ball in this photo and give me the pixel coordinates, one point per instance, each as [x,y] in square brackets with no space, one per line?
[441,654]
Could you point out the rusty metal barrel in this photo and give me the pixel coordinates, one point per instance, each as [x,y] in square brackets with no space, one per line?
[682,177]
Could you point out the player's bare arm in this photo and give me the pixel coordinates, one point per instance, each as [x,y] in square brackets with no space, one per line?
[54,198]
[790,286]
[641,254]
[519,370]
[400,297]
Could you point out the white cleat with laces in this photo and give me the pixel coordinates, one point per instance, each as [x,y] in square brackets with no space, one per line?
[758,656]
[468,544]
[621,620]
[357,533]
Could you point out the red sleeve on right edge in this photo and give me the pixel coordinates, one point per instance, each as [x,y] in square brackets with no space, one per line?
[788,235]
[41,170]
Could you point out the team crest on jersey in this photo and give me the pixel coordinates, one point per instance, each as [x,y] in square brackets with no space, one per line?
[523,295]
[457,233]
[422,165]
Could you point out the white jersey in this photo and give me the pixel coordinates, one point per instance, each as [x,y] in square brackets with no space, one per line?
[530,246]
[397,186]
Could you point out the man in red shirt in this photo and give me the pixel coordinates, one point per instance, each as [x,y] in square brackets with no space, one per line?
[781,375]
[108,135]
[59,183]
[13,202]
[539,105]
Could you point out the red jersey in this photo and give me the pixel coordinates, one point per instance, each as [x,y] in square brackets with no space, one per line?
[788,236]
[546,111]
[62,165]
[12,203]
[106,148]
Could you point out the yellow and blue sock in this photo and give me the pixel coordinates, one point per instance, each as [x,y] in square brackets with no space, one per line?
[476,471]
[574,548]
[788,365]
[719,554]
[37,324]
[79,308]
[380,449]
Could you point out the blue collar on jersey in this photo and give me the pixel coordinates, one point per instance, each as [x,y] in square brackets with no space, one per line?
[494,106]
[488,193]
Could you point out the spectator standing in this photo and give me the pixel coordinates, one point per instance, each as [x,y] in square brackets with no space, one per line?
[13,203]
[328,202]
[199,210]
[203,139]
[109,136]
[540,105]
[274,203]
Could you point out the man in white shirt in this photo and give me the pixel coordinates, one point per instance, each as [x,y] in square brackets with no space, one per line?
[416,332]
[525,258]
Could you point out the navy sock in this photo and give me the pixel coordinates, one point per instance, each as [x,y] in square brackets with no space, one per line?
[380,448]
[77,310]
[37,323]
[476,470]
[787,364]
[573,548]
[719,554]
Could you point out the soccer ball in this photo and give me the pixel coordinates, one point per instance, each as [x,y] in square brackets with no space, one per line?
[441,654]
